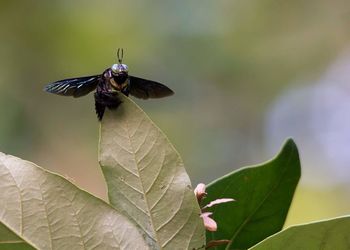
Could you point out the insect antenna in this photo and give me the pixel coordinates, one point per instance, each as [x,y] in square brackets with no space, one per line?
[120,55]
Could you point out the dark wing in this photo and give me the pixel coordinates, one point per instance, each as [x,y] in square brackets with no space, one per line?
[142,88]
[74,86]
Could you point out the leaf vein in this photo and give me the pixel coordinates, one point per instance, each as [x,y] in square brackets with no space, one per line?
[149,150]
[132,202]
[163,194]
[158,173]
[174,214]
[178,230]
[20,198]
[129,185]
[125,168]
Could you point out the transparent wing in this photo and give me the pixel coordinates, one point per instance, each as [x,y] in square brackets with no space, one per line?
[142,88]
[74,86]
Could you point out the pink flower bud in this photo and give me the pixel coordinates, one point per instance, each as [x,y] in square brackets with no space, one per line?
[199,191]
[209,223]
[218,201]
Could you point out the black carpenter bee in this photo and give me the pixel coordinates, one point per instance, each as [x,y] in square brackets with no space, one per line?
[108,85]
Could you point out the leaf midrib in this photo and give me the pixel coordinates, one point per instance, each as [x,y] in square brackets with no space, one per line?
[142,186]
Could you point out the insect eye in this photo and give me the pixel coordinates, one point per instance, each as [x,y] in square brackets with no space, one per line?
[125,68]
[117,68]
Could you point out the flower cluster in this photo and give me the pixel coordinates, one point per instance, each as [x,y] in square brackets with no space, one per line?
[209,223]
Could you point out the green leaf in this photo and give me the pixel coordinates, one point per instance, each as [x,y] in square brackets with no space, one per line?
[263,194]
[326,235]
[10,241]
[7,235]
[48,212]
[14,245]
[147,180]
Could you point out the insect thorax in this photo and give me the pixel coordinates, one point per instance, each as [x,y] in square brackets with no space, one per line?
[119,82]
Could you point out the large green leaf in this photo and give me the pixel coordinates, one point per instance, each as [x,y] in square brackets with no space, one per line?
[332,234]
[147,180]
[48,212]
[10,241]
[263,194]
[14,245]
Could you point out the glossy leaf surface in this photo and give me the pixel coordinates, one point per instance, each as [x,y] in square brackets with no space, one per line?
[326,235]
[262,193]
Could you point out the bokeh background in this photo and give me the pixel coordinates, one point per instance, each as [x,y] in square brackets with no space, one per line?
[247,75]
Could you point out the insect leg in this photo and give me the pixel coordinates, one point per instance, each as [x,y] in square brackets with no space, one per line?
[99,107]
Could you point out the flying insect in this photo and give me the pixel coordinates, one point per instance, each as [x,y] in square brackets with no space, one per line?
[108,86]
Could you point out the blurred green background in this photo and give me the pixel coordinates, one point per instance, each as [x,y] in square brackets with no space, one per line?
[247,74]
